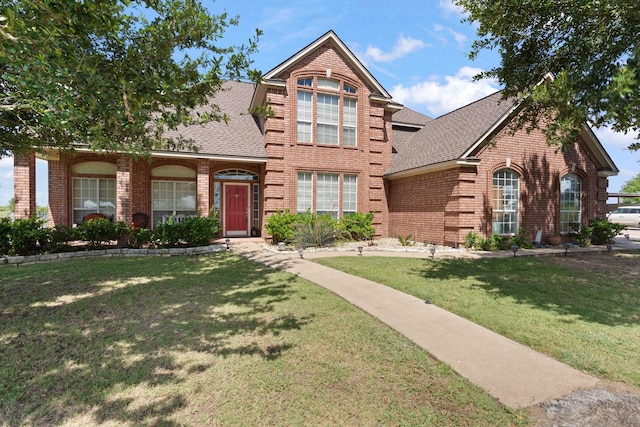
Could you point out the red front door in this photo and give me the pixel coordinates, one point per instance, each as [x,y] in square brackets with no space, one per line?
[236,212]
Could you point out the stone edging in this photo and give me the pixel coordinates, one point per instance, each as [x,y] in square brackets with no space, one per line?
[106,253]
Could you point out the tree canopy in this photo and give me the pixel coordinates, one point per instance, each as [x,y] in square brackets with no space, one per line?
[111,74]
[632,186]
[590,47]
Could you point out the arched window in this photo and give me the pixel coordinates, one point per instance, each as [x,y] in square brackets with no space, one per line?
[506,200]
[327,112]
[570,202]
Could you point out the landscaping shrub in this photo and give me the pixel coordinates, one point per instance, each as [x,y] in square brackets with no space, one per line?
[60,238]
[140,237]
[190,231]
[357,226]
[495,242]
[26,235]
[603,231]
[472,240]
[5,240]
[280,226]
[99,232]
[314,230]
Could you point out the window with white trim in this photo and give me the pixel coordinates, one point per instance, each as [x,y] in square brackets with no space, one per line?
[93,195]
[325,114]
[570,202]
[327,194]
[304,192]
[349,194]
[333,194]
[506,199]
[172,198]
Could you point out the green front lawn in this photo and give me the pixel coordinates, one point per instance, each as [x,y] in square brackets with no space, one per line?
[211,340]
[582,310]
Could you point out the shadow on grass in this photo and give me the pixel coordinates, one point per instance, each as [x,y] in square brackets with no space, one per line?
[73,333]
[541,283]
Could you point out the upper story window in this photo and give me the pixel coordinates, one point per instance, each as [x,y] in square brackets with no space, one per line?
[325,114]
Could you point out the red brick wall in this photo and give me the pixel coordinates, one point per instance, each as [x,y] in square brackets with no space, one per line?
[286,157]
[444,206]
[24,184]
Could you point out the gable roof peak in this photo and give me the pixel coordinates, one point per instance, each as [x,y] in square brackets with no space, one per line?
[329,36]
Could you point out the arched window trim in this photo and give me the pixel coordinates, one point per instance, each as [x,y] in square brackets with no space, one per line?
[505,202]
[236,175]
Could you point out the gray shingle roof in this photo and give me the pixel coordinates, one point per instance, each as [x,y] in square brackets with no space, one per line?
[240,137]
[449,136]
[409,116]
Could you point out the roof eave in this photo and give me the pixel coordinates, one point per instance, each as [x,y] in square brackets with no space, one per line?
[436,167]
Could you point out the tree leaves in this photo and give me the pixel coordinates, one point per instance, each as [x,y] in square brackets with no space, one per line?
[111,75]
[590,47]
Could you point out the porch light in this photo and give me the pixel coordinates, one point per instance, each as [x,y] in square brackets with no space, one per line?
[360,248]
[566,245]
[515,248]
[227,241]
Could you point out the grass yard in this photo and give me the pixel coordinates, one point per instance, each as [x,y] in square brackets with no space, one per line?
[214,340]
[583,310]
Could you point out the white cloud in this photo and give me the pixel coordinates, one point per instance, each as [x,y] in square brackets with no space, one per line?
[611,138]
[442,95]
[403,47]
[449,9]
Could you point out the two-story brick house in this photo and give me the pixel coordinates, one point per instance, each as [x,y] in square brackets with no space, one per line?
[336,142]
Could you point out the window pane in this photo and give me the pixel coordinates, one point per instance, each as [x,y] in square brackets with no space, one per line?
[327,119]
[506,191]
[304,194]
[350,194]
[327,194]
[328,84]
[350,120]
[172,198]
[570,202]
[305,82]
[93,195]
[305,115]
[349,89]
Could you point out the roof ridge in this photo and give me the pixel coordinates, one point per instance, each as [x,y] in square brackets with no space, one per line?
[469,104]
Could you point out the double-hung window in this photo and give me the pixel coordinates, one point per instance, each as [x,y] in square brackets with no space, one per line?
[325,113]
[333,194]
[173,198]
[93,195]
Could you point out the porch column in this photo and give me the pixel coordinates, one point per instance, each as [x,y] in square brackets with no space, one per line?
[202,187]
[123,189]
[24,184]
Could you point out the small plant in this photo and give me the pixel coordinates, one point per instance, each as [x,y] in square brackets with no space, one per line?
[5,232]
[522,239]
[603,231]
[140,237]
[495,242]
[406,241]
[60,238]
[314,230]
[98,232]
[472,240]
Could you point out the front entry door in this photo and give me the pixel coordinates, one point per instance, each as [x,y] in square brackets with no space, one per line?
[236,209]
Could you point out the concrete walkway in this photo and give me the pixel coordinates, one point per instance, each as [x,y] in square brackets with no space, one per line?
[514,374]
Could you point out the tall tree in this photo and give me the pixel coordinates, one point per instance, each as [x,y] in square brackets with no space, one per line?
[111,74]
[590,47]
[632,186]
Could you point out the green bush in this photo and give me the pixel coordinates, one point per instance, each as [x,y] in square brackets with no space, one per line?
[99,232]
[280,226]
[314,230]
[190,231]
[603,231]
[140,237]
[522,239]
[473,240]
[5,236]
[27,235]
[357,226]
[60,238]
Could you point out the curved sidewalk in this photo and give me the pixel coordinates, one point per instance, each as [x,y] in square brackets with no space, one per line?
[514,374]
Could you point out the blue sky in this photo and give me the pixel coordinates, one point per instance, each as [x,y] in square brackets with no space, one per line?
[417,50]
